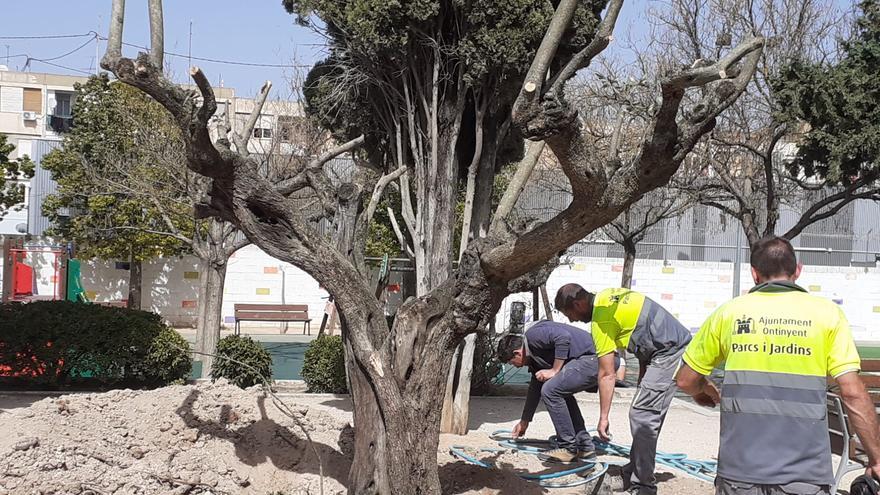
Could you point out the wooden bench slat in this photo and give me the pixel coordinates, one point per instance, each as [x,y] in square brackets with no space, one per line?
[271,307]
[870,365]
[268,315]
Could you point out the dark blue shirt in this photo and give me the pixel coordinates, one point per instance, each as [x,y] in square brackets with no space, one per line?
[550,340]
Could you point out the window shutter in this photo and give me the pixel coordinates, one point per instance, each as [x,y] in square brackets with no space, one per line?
[33,100]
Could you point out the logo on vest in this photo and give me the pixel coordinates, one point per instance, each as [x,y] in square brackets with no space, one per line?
[744,325]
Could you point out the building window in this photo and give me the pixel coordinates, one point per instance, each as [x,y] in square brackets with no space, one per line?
[262,133]
[33,100]
[62,105]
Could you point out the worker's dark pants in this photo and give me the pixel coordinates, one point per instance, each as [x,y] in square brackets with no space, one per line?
[578,375]
[646,416]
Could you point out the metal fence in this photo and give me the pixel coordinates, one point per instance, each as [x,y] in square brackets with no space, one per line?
[702,233]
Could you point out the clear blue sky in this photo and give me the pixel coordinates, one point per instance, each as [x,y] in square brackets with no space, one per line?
[254,31]
[257,31]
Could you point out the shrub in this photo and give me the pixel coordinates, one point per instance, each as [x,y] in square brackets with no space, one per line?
[242,350]
[169,360]
[52,343]
[324,366]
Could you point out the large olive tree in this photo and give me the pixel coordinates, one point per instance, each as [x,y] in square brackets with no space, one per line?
[428,115]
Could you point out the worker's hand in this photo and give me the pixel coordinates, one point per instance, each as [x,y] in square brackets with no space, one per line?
[873,471]
[545,375]
[708,396]
[602,430]
[520,429]
[704,400]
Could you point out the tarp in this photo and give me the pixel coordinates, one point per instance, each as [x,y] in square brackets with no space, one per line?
[75,291]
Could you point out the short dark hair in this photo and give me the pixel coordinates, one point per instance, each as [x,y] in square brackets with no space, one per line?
[507,346]
[773,257]
[568,294]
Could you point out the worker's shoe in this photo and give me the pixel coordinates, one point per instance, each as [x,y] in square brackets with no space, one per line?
[559,456]
[587,455]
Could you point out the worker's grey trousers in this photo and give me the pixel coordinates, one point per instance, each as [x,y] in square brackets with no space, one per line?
[578,375]
[728,487]
[646,417]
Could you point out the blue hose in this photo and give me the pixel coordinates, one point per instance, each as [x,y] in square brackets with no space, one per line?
[544,480]
[704,470]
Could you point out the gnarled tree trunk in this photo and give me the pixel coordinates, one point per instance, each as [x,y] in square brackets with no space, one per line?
[629,263]
[398,374]
[212,281]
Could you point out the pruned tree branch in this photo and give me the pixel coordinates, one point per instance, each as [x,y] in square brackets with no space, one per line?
[517,184]
[242,137]
[157,34]
[583,58]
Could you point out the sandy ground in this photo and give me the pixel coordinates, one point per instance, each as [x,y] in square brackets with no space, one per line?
[220,439]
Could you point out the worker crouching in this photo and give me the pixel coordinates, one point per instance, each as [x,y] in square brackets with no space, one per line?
[562,361]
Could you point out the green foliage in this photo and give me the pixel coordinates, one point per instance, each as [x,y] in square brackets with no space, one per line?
[53,343]
[249,363]
[12,191]
[119,175]
[169,357]
[841,104]
[324,365]
[375,45]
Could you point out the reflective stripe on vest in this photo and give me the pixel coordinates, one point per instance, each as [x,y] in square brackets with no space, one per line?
[769,417]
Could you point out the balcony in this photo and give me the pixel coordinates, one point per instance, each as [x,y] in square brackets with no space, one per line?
[58,123]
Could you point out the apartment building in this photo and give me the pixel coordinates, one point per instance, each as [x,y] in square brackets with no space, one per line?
[36,110]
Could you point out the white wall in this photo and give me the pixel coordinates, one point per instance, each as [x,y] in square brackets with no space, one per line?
[691,290]
[688,289]
[171,286]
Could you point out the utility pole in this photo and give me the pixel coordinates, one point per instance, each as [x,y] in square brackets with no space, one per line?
[190,53]
[737,262]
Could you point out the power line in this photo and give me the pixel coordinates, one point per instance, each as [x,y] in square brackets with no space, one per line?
[60,66]
[94,36]
[47,37]
[219,61]
[71,52]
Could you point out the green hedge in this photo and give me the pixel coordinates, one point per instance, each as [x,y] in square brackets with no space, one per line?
[242,351]
[57,343]
[324,366]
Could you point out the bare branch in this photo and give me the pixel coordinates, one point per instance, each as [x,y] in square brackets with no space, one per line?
[534,80]
[406,207]
[843,198]
[114,38]
[311,174]
[241,138]
[517,185]
[157,34]
[400,237]
[182,238]
[600,41]
[379,190]
[471,187]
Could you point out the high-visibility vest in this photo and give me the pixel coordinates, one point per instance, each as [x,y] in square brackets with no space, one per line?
[778,345]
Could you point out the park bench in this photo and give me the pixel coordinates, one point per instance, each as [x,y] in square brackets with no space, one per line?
[843,439]
[273,312]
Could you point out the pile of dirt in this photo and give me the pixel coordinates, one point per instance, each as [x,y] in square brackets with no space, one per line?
[210,438]
[220,439]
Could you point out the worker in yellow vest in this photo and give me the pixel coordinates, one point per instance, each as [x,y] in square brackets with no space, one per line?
[623,318]
[779,344]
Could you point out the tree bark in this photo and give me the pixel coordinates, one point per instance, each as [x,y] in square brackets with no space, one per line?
[212,281]
[629,262]
[135,284]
